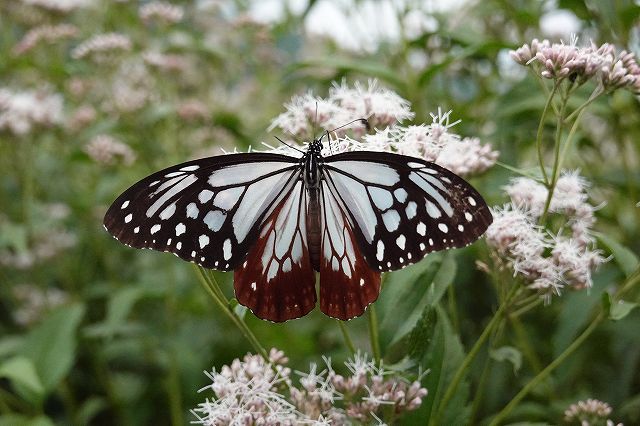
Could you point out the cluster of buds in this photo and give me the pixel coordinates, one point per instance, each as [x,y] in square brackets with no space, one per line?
[102,48]
[255,390]
[547,262]
[107,150]
[162,12]
[21,111]
[591,412]
[612,69]
[49,34]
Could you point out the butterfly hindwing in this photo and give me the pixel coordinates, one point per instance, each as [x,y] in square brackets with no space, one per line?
[207,211]
[402,208]
[347,283]
[277,281]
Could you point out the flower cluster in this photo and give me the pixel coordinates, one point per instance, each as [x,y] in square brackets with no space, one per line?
[161,12]
[102,48]
[253,391]
[107,150]
[604,63]
[547,261]
[62,6]
[380,106]
[49,34]
[21,111]
[591,412]
[432,142]
[32,302]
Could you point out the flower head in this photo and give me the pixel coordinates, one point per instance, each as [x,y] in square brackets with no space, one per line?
[49,34]
[160,11]
[21,111]
[102,48]
[107,150]
[588,412]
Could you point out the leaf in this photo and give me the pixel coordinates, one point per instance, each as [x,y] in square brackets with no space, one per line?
[409,291]
[118,309]
[617,310]
[623,256]
[508,353]
[20,420]
[51,346]
[21,371]
[89,409]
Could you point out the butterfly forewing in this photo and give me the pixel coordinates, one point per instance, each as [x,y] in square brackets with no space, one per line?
[402,208]
[277,281]
[207,211]
[347,283]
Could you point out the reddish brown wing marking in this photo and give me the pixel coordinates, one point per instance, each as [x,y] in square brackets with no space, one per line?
[277,281]
[347,283]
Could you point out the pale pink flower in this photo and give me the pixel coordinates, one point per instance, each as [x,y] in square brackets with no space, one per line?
[107,150]
[49,34]
[166,62]
[161,11]
[588,412]
[64,6]
[20,112]
[102,48]
[33,302]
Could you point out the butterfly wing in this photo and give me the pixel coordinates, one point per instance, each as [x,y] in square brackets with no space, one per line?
[401,208]
[277,281]
[206,211]
[347,283]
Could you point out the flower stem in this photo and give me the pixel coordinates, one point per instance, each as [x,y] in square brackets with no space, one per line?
[347,337]
[373,333]
[540,131]
[498,419]
[466,363]
[211,286]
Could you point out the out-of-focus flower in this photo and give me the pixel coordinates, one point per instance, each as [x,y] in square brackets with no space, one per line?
[591,412]
[192,110]
[547,262]
[166,62]
[559,23]
[102,48]
[49,34]
[253,389]
[63,6]
[131,88]
[33,302]
[559,61]
[107,150]
[21,111]
[160,11]
[81,117]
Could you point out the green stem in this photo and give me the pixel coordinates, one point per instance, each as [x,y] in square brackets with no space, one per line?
[526,308]
[556,159]
[346,336]
[544,373]
[211,286]
[373,333]
[541,130]
[466,363]
[632,280]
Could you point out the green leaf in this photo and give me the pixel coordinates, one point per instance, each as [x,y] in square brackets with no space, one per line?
[409,291]
[21,371]
[616,310]
[508,353]
[51,346]
[20,420]
[623,256]
[89,409]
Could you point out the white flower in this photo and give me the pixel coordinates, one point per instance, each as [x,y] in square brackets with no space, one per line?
[21,111]
[107,150]
[161,11]
[102,47]
[59,5]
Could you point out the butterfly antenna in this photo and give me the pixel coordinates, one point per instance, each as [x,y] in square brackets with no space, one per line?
[357,120]
[290,146]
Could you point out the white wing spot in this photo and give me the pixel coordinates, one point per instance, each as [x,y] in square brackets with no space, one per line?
[468,216]
[192,211]
[173,174]
[380,250]
[443,227]
[193,254]
[155,228]
[400,241]
[273,270]
[168,211]
[460,228]
[361,282]
[388,264]
[432,210]
[472,201]
[154,183]
[226,249]
[205,195]
[346,267]
[189,168]
[391,220]
[409,256]
[415,165]
[334,264]
[202,259]
[422,246]
[253,286]
[286,265]
[180,229]
[128,218]
[381,198]
[169,242]
[203,240]
[411,209]
[214,220]
[401,195]
[430,241]
[136,229]
[421,229]
[179,245]
[401,260]
[125,205]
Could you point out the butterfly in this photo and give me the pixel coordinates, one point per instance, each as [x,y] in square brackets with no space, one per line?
[275,219]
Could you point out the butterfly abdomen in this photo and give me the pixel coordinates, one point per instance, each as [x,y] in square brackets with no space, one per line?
[313,227]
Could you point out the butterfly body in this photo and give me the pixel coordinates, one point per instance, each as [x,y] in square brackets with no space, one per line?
[276,219]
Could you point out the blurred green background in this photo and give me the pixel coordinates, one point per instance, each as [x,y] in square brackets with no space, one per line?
[92,332]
